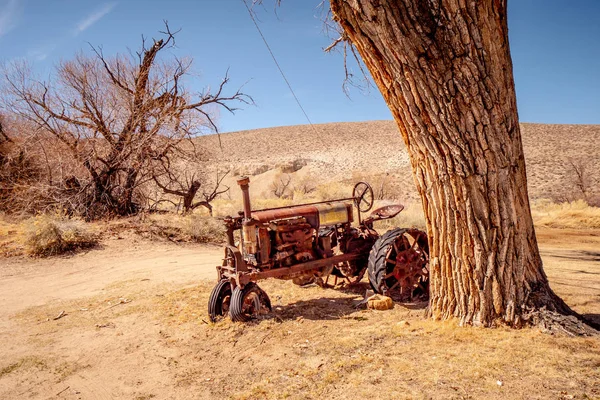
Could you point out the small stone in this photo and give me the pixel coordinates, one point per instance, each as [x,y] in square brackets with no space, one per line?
[499,383]
[403,323]
[379,302]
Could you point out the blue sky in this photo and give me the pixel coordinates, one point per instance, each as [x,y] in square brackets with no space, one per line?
[555,47]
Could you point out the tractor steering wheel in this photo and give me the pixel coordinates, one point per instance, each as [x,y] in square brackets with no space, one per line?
[363,196]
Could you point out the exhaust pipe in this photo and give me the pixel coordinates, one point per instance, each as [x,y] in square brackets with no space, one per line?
[244,185]
[249,237]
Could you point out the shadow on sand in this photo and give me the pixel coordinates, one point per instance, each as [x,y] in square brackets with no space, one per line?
[332,308]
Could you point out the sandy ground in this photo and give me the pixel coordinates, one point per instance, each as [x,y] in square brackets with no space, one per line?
[26,283]
[134,327]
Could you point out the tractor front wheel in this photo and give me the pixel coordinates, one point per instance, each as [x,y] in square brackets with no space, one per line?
[219,300]
[248,302]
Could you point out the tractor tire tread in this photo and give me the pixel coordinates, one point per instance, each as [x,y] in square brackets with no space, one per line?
[376,266]
[214,302]
[237,301]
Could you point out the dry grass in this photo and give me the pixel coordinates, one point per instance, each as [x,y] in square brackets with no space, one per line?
[196,228]
[411,217]
[576,215]
[50,235]
[11,242]
[316,345]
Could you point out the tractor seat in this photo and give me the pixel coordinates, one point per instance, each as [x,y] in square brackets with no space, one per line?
[385,212]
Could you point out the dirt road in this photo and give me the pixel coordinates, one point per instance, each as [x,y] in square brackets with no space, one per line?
[29,282]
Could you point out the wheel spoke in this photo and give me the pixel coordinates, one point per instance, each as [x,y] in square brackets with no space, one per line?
[363,192]
[395,246]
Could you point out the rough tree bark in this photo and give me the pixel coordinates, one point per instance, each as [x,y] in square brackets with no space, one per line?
[445,71]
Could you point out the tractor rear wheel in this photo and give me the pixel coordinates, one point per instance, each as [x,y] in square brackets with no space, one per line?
[399,260]
[248,302]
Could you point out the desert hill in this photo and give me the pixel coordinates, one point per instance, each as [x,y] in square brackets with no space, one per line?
[348,151]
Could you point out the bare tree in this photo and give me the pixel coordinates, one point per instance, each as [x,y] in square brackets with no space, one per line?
[21,168]
[117,116]
[581,177]
[280,186]
[3,135]
[185,181]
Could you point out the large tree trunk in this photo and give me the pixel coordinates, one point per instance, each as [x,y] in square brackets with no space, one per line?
[445,71]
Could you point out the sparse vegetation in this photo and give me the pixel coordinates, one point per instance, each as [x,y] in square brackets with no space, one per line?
[50,235]
[576,214]
[333,190]
[315,344]
[281,186]
[307,185]
[411,217]
[182,228]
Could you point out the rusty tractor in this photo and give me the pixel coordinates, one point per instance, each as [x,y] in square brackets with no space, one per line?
[307,243]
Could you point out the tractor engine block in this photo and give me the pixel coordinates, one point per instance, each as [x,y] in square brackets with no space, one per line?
[293,240]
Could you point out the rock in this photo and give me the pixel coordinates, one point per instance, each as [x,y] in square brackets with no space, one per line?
[379,302]
[403,323]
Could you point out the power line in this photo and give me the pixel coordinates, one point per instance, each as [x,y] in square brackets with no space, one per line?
[277,64]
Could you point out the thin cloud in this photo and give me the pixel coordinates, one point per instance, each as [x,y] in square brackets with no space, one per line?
[94,17]
[41,53]
[9,16]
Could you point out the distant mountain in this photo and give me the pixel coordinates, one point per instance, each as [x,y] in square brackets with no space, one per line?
[348,151]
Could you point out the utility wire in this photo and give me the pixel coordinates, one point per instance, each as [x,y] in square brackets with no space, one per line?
[278,66]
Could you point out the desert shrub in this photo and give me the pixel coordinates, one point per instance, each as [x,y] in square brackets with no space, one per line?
[11,243]
[281,187]
[224,207]
[576,214]
[386,185]
[187,228]
[305,186]
[203,229]
[48,235]
[594,200]
[333,190]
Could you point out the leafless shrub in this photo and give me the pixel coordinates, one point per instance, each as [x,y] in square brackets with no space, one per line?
[385,186]
[188,183]
[186,178]
[578,170]
[280,186]
[306,185]
[578,183]
[260,169]
[594,200]
[22,167]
